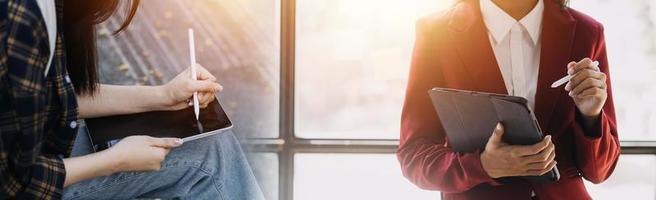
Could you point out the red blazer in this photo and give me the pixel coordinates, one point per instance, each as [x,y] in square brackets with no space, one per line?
[453,51]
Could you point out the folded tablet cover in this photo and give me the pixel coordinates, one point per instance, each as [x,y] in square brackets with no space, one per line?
[180,124]
[469,118]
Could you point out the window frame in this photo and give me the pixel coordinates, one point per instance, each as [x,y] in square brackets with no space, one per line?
[288,144]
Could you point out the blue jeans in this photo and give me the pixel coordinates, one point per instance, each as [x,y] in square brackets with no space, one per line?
[210,168]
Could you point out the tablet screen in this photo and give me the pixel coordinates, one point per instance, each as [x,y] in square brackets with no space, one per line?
[179,124]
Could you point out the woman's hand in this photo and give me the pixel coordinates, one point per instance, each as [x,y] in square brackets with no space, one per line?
[500,159]
[587,87]
[141,153]
[180,90]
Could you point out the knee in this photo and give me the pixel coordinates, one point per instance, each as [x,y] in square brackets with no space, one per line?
[212,152]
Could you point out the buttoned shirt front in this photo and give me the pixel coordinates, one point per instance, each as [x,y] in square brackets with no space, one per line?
[516,45]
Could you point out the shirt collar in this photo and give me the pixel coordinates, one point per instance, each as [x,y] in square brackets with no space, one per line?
[499,23]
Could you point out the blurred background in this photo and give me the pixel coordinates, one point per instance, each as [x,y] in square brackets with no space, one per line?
[315,87]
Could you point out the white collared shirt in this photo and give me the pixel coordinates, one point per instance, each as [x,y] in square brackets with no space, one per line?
[49,13]
[516,46]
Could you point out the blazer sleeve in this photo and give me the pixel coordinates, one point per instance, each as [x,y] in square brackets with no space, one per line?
[424,156]
[598,148]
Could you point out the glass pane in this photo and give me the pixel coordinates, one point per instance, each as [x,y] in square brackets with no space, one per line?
[352,60]
[630,40]
[353,176]
[238,41]
[265,167]
[634,178]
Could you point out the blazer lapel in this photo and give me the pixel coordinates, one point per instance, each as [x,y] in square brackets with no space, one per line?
[557,40]
[472,43]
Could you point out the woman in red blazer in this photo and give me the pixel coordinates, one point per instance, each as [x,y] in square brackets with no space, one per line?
[454,50]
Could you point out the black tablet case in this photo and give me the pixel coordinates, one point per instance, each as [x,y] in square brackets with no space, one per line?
[469,118]
[180,124]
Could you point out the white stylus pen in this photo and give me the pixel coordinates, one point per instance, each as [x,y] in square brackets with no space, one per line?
[566,79]
[192,59]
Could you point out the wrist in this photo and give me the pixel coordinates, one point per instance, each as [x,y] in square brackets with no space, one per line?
[589,121]
[116,162]
[163,98]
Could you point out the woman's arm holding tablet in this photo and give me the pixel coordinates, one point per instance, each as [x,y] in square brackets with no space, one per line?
[135,153]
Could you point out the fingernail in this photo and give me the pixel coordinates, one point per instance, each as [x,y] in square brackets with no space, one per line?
[548,137]
[178,141]
[219,88]
[190,103]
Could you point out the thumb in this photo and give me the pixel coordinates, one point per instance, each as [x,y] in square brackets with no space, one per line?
[497,136]
[204,86]
[166,142]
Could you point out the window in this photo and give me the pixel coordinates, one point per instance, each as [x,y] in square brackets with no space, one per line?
[631,46]
[353,176]
[318,85]
[265,167]
[238,41]
[627,182]
[351,62]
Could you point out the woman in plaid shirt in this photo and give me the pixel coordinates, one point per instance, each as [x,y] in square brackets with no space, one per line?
[48,80]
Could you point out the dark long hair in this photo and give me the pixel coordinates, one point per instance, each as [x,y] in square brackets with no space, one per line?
[79,22]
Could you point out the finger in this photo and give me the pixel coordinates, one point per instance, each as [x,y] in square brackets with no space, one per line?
[585,60]
[580,65]
[544,156]
[592,92]
[160,154]
[204,86]
[586,84]
[203,97]
[577,78]
[585,63]
[570,65]
[164,152]
[535,148]
[205,101]
[581,76]
[181,105]
[166,142]
[207,98]
[497,136]
[203,74]
[543,171]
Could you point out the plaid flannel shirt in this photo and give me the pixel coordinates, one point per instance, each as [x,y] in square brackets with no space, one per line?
[38,114]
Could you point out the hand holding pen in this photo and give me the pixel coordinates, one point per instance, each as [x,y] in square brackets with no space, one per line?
[587,87]
[194,87]
[179,91]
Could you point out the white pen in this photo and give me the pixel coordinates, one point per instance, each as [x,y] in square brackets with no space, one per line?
[566,79]
[192,59]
